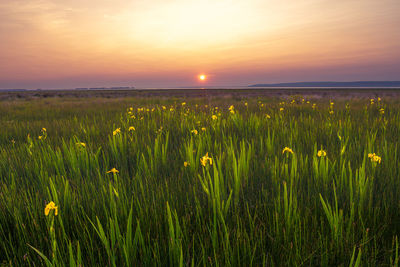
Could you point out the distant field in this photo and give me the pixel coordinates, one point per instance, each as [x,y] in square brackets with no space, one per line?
[200,178]
[208,93]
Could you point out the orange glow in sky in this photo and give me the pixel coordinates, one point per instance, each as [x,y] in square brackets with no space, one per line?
[158,43]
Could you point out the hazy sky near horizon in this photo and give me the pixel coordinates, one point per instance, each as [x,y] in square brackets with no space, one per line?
[167,43]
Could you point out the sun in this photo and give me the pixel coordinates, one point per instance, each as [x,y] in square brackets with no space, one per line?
[202,77]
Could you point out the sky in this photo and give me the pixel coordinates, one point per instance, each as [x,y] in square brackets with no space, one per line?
[169,43]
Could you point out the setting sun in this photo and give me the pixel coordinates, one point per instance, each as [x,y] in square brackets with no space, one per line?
[202,77]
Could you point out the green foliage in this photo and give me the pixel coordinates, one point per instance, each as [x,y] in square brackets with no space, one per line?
[134,187]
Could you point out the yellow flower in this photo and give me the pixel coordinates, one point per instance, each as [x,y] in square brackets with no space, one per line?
[131,129]
[245,103]
[194,131]
[268,116]
[281,109]
[116,131]
[374,157]
[379,99]
[203,129]
[314,106]
[293,101]
[44,130]
[214,117]
[113,170]
[81,144]
[40,137]
[49,207]
[205,159]
[171,109]
[286,149]
[186,164]
[382,111]
[331,103]
[308,102]
[183,103]
[331,112]
[133,117]
[131,108]
[231,108]
[321,153]
[164,107]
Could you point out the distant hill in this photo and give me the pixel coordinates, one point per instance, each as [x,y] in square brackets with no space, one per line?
[332,84]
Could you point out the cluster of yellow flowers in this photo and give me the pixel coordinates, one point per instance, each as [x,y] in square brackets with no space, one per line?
[194,131]
[49,207]
[116,131]
[321,153]
[205,159]
[232,109]
[214,117]
[374,157]
[382,111]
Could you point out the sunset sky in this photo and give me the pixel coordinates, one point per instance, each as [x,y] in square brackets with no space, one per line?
[168,43]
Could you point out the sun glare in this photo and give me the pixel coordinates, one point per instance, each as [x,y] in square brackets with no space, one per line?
[202,77]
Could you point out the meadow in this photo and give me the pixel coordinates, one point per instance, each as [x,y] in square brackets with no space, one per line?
[223,181]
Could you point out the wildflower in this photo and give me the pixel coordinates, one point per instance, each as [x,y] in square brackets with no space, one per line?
[49,207]
[171,109]
[40,137]
[308,102]
[194,131]
[281,109]
[331,103]
[286,149]
[374,157]
[44,129]
[205,159]
[314,106]
[131,129]
[80,144]
[214,117]
[183,104]
[131,109]
[379,99]
[331,112]
[133,117]
[267,116]
[203,129]
[113,170]
[245,103]
[382,111]
[164,107]
[302,100]
[232,109]
[116,131]
[321,153]
[293,101]
[186,164]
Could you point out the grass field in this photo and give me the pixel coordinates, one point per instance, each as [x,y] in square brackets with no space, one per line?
[200,182]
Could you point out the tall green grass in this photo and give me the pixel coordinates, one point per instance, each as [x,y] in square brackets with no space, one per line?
[253,206]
